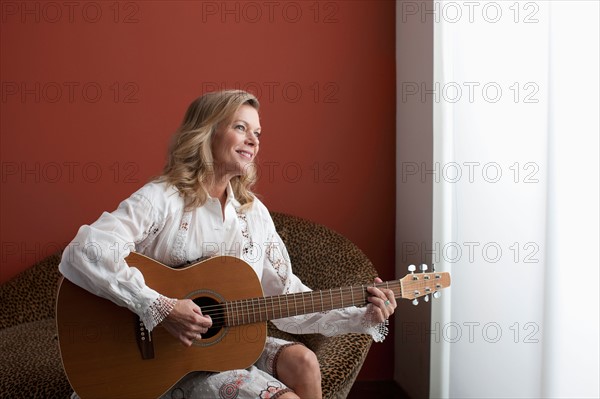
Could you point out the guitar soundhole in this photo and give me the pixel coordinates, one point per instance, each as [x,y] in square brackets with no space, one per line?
[216,312]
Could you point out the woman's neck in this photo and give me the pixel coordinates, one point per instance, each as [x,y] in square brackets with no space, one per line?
[219,190]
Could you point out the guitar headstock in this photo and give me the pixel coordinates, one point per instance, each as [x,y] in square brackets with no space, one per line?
[416,285]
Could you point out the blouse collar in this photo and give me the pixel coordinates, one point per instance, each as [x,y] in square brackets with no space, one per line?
[231,197]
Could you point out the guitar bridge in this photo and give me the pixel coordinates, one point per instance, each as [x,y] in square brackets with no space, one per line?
[144,340]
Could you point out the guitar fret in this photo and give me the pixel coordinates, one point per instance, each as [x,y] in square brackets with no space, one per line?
[352,294]
[237,313]
[247,312]
[295,306]
[264,302]
[331,297]
[321,292]
[342,297]
[303,303]
[312,300]
[256,312]
[248,315]
[259,302]
[273,307]
[266,309]
[280,313]
[240,310]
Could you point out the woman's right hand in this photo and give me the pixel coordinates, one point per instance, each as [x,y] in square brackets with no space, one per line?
[186,322]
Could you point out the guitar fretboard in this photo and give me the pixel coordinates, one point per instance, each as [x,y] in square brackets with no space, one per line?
[255,310]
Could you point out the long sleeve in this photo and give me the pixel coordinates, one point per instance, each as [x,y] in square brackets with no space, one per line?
[95,259]
[278,278]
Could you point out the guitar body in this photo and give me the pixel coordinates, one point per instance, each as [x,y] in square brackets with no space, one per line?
[99,341]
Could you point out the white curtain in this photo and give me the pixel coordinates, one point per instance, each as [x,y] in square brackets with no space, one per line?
[515,216]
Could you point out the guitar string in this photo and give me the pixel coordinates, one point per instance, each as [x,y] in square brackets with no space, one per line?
[337,291]
[295,295]
[271,311]
[240,309]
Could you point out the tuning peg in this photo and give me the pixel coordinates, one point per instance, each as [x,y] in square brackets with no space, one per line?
[423,267]
[426,298]
[437,294]
[415,302]
[412,268]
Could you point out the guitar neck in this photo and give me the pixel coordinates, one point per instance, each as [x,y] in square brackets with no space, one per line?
[254,310]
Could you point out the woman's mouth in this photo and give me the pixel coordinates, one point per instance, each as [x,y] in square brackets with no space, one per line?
[245,154]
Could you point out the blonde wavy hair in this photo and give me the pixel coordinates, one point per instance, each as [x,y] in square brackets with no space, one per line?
[190,164]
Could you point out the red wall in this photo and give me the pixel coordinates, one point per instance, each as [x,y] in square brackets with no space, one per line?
[92,91]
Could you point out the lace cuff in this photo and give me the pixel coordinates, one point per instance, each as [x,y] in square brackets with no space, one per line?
[158,311]
[377,330]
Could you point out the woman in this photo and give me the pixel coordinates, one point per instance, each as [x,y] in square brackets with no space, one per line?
[202,206]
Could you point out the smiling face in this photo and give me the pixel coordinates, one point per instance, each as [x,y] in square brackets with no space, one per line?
[235,143]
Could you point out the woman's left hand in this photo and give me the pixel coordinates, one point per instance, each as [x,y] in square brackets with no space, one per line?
[383,302]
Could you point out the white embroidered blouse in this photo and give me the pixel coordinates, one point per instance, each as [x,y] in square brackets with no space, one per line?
[153,222]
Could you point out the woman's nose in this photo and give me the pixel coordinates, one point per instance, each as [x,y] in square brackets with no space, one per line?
[251,139]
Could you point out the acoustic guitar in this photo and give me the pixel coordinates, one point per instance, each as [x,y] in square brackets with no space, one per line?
[107,352]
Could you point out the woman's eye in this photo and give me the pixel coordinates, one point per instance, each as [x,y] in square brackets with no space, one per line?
[241,127]
[257,134]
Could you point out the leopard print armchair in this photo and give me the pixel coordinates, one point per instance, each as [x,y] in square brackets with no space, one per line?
[31,365]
